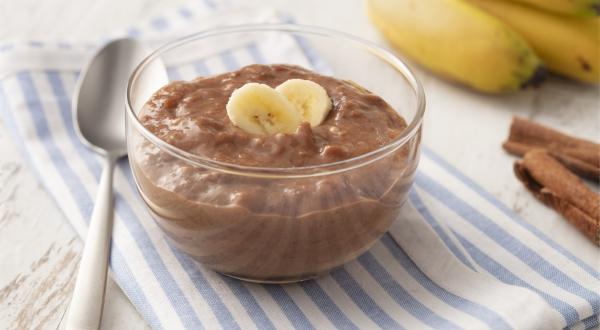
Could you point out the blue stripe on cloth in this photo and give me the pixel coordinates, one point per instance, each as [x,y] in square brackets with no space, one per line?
[508,212]
[289,307]
[228,60]
[43,133]
[422,209]
[591,322]
[488,316]
[569,313]
[402,296]
[6,47]
[326,305]
[84,203]
[257,56]
[201,68]
[256,313]
[510,243]
[311,55]
[363,300]
[184,12]
[205,289]
[36,111]
[130,286]
[173,74]
[209,3]
[133,32]
[159,23]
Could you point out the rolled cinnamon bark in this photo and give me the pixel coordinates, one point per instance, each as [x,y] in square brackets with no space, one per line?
[579,155]
[553,184]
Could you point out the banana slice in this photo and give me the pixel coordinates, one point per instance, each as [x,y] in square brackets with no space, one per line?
[259,109]
[310,99]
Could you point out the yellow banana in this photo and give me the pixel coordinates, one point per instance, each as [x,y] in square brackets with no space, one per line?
[570,7]
[259,109]
[569,46]
[459,41]
[310,99]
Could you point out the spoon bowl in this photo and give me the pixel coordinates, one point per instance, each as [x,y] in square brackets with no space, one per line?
[99,101]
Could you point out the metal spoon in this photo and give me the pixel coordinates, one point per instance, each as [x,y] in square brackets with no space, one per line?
[99,120]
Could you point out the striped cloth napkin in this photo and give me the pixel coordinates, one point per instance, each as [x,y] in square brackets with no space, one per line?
[458,259]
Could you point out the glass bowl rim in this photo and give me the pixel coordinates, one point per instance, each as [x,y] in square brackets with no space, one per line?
[283,172]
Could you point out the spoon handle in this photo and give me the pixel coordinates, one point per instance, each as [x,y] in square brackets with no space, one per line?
[85,309]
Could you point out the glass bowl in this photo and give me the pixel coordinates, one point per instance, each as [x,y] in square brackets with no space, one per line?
[276,225]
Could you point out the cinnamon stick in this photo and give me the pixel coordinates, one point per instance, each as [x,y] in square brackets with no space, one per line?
[554,185]
[579,155]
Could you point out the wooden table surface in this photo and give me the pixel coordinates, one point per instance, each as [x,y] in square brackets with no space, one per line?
[39,251]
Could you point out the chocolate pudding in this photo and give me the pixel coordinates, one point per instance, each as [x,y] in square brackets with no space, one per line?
[325,206]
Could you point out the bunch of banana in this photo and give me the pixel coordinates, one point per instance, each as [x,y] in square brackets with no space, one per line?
[494,45]
[259,109]
[568,45]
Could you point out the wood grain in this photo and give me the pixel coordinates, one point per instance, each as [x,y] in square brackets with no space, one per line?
[39,296]
[39,254]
